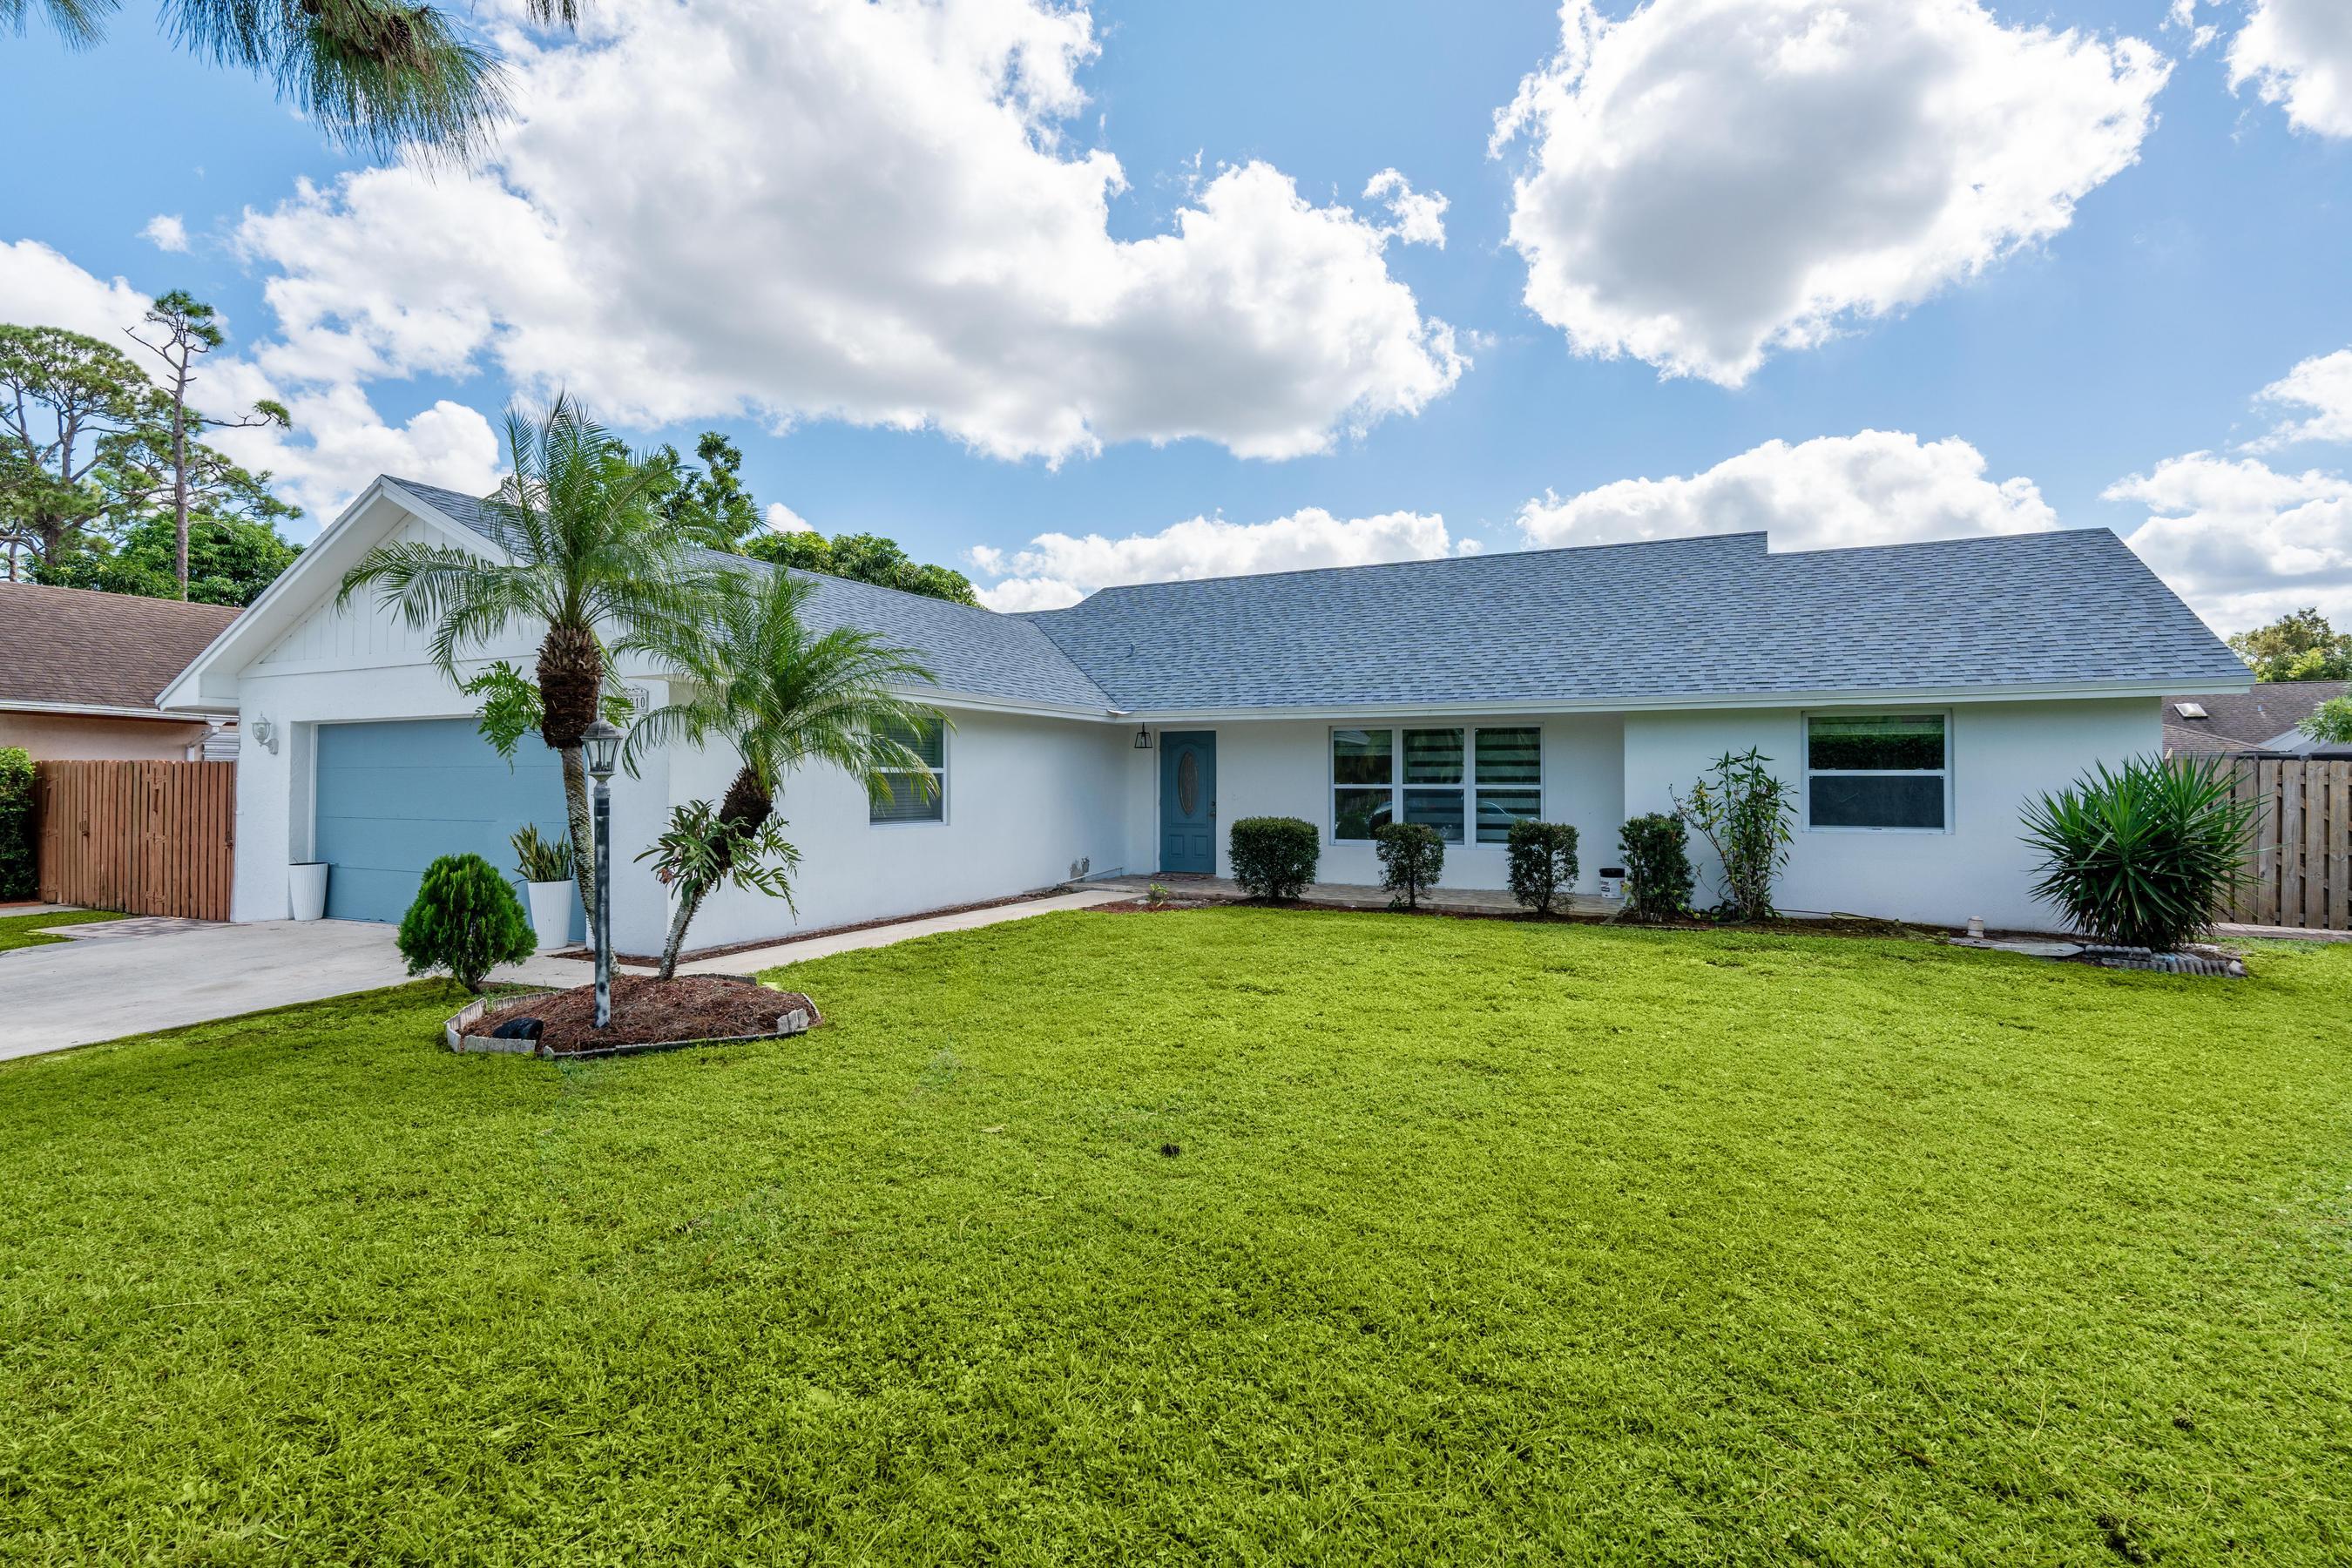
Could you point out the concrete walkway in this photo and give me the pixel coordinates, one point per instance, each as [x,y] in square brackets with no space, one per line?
[807,947]
[78,992]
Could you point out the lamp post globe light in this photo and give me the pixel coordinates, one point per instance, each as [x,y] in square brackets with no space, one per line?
[602,742]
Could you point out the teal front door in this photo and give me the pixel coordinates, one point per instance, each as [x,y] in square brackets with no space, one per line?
[1188,801]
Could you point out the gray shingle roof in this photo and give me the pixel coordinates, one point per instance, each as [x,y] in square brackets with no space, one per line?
[1657,621]
[1671,619]
[971,652]
[2247,720]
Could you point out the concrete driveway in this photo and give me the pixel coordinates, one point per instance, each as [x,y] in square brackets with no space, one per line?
[77,993]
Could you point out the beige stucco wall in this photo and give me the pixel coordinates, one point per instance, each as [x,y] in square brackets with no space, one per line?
[82,737]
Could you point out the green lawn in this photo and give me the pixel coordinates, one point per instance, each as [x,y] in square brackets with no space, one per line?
[1232,1235]
[24,930]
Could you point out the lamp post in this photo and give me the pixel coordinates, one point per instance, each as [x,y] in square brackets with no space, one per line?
[602,741]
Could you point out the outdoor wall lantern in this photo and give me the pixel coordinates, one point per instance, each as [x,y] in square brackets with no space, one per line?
[1142,739]
[602,741]
[266,734]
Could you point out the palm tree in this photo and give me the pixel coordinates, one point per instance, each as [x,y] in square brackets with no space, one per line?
[755,677]
[377,75]
[585,548]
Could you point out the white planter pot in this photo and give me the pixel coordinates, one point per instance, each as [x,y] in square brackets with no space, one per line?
[550,912]
[306,887]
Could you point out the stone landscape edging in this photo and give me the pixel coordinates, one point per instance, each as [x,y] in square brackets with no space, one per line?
[790,1022]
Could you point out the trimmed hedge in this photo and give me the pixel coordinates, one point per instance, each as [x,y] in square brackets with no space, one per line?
[19,851]
[1543,862]
[466,919]
[1411,857]
[1658,876]
[1275,857]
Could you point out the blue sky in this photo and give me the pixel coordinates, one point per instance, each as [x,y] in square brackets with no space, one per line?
[2199,258]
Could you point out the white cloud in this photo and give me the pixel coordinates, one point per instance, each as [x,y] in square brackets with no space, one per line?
[2241,541]
[338,442]
[2322,384]
[869,211]
[39,288]
[1709,181]
[2182,18]
[1057,569]
[1419,217]
[2298,53]
[784,520]
[1875,487]
[164,231]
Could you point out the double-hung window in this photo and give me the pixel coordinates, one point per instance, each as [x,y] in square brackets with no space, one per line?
[914,794]
[1465,782]
[1879,771]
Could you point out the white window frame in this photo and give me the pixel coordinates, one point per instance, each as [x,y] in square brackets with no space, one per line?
[1397,786]
[1805,751]
[940,778]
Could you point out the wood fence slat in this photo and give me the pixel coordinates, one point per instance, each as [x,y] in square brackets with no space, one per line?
[2315,845]
[149,839]
[2250,876]
[2340,858]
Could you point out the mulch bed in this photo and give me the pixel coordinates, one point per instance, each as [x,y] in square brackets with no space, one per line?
[653,1012]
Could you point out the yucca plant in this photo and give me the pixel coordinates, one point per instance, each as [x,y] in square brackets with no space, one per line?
[541,859]
[2144,856]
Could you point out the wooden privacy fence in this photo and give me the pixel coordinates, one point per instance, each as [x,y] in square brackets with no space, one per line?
[147,838]
[2300,872]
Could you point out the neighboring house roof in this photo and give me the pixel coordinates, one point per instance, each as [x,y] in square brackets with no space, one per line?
[973,652]
[2258,720]
[1676,619]
[78,650]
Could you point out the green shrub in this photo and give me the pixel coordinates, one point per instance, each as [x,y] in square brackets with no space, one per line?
[18,849]
[1744,814]
[1543,862]
[1658,880]
[541,859]
[2143,858]
[466,919]
[1275,857]
[1412,856]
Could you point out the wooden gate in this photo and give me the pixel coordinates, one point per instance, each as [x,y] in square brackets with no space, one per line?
[2300,872]
[147,838]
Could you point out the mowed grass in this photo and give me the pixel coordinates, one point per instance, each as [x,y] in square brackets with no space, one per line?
[25,931]
[1230,1235]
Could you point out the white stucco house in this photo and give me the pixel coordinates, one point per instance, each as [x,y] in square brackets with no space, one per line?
[1916,694]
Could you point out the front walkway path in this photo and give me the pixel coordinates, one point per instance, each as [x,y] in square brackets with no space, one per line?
[824,946]
[1360,895]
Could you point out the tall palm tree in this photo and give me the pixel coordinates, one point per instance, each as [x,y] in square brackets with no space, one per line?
[376,75]
[585,550]
[756,678]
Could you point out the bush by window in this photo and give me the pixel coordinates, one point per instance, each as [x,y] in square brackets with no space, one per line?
[1658,877]
[1877,771]
[2145,857]
[917,794]
[1543,863]
[1275,857]
[1412,857]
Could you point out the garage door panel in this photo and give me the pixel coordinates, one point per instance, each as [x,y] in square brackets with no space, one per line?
[392,797]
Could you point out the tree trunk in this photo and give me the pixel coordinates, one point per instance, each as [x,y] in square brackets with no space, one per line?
[584,838]
[179,477]
[744,811]
[688,904]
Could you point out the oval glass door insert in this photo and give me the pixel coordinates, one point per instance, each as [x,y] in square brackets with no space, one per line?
[1188,783]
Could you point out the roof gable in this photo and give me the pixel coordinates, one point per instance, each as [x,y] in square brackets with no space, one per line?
[75,647]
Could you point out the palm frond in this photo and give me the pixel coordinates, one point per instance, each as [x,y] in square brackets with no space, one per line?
[80,23]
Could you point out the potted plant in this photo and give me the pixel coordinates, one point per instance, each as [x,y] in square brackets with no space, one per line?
[306,888]
[546,867]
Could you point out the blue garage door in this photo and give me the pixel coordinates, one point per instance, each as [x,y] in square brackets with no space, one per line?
[393,797]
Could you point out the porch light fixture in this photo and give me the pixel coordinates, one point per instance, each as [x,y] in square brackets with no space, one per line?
[602,742]
[265,734]
[1142,739]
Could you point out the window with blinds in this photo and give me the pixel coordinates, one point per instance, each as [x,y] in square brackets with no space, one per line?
[1468,783]
[918,793]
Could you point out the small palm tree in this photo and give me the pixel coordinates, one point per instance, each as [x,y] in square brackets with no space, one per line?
[585,549]
[755,677]
[376,76]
